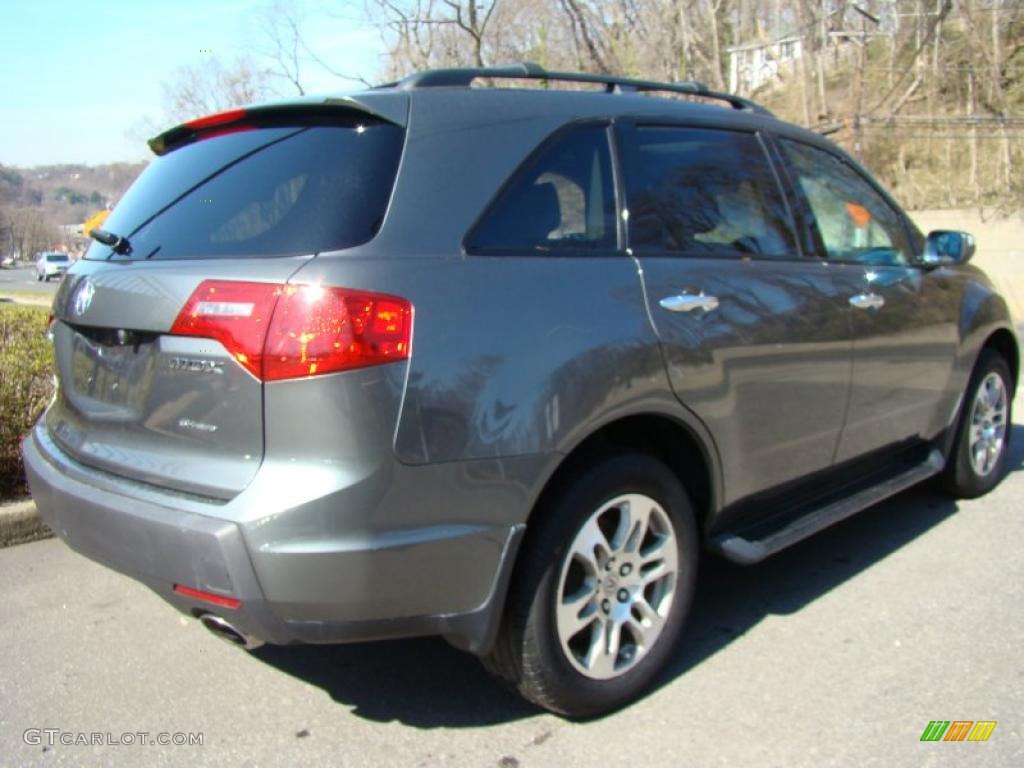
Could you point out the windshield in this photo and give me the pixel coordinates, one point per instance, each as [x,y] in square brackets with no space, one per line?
[276,191]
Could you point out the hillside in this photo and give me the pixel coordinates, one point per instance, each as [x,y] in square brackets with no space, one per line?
[65,194]
[928,95]
[935,111]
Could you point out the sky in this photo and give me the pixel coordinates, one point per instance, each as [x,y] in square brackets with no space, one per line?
[78,79]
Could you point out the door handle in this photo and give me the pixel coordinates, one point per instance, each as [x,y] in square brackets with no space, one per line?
[867,301]
[687,302]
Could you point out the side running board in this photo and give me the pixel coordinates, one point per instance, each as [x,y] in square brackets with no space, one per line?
[746,551]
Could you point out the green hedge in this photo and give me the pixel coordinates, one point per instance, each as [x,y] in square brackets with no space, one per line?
[26,384]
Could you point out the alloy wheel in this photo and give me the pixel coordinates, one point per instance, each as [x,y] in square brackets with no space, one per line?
[616,586]
[987,435]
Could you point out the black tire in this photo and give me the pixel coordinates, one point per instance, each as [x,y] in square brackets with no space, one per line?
[39,278]
[528,653]
[960,478]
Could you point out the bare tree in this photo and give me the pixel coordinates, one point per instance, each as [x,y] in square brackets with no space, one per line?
[26,231]
[279,25]
[590,35]
[285,45]
[998,17]
[472,17]
[214,86]
[431,33]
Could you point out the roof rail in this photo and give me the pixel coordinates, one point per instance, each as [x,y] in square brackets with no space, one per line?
[436,78]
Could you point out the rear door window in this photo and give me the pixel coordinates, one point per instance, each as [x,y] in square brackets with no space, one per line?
[265,192]
[704,192]
[563,201]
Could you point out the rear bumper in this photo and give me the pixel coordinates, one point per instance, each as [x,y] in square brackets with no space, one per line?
[447,580]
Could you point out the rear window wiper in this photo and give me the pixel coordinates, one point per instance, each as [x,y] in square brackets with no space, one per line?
[117,243]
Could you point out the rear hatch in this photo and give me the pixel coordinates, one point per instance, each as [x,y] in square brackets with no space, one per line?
[234,205]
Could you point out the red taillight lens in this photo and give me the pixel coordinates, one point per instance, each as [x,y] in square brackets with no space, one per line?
[235,314]
[319,330]
[209,597]
[290,331]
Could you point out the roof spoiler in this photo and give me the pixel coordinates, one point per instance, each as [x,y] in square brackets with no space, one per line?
[321,110]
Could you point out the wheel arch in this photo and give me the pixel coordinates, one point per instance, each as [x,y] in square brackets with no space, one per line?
[686,449]
[689,455]
[1004,343]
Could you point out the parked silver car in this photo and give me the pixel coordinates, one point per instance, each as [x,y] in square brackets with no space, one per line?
[499,363]
[51,264]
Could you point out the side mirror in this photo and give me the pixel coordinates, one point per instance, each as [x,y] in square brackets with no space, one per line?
[946,246]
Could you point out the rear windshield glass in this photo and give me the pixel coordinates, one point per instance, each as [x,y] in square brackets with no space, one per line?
[268,192]
[57,257]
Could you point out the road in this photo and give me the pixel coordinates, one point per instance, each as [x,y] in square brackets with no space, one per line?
[23,280]
[837,652]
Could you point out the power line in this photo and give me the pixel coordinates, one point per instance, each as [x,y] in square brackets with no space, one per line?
[964,134]
[996,121]
[957,136]
[954,68]
[954,14]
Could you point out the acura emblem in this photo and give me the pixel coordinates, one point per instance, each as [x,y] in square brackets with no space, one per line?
[83,297]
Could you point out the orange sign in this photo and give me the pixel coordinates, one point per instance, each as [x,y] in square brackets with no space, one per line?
[861,216]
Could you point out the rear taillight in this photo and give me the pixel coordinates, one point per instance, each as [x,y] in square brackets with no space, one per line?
[320,330]
[289,331]
[235,314]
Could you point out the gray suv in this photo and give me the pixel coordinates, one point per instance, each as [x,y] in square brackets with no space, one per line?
[499,363]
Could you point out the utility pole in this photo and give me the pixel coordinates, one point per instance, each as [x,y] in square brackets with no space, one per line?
[858,80]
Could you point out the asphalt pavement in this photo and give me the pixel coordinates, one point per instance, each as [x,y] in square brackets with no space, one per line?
[838,652]
[23,280]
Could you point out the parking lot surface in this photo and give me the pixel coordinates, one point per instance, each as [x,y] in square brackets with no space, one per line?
[838,652]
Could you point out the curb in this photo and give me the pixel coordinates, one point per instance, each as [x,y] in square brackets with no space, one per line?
[20,523]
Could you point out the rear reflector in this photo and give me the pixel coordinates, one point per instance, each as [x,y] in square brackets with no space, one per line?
[290,331]
[209,597]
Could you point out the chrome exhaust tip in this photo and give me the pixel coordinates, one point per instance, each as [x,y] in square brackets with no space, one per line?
[227,632]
